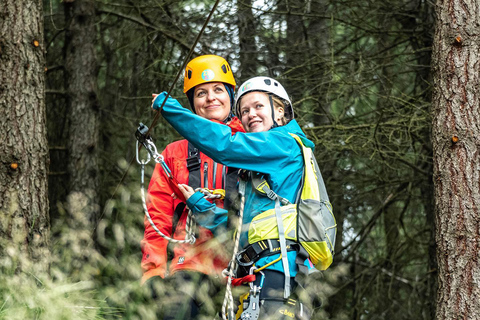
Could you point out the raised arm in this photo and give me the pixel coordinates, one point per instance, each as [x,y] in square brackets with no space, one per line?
[262,151]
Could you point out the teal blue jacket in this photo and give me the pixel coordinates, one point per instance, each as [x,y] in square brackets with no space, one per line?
[275,153]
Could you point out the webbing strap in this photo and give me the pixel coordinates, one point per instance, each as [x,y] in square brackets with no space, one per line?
[283,248]
[248,256]
[261,186]
[193,166]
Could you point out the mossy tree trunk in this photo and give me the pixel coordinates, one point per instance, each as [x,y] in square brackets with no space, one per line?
[24,220]
[456,143]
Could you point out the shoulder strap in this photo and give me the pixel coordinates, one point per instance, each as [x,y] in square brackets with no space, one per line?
[193,166]
[231,190]
[261,186]
[176,216]
[311,189]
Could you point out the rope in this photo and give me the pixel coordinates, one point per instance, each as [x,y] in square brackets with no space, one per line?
[155,119]
[189,226]
[228,300]
[212,194]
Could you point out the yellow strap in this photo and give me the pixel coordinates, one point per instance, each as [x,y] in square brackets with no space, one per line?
[268,264]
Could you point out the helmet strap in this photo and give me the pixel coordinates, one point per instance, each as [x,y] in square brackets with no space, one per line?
[190,98]
[275,124]
[231,94]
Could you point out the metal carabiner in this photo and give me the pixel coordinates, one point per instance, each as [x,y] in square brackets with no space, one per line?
[143,162]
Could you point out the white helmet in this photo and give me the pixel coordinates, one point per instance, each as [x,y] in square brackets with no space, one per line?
[268,85]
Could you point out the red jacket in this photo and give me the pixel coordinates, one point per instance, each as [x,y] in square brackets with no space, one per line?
[163,197]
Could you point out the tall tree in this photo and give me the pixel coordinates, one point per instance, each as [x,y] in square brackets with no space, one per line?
[83,108]
[456,153]
[246,36]
[24,159]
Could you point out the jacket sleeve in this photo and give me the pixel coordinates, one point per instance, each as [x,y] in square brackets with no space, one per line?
[207,214]
[161,207]
[260,151]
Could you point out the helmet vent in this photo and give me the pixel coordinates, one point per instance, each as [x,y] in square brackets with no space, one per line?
[276,84]
[189,74]
[267,82]
[224,69]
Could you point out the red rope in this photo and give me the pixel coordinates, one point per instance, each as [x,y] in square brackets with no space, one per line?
[239,281]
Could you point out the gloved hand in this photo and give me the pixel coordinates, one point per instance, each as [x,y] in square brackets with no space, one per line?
[158,100]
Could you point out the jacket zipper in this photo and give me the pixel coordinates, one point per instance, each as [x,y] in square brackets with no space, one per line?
[224,177]
[205,175]
[214,185]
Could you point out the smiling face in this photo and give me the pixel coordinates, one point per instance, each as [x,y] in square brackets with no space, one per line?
[211,101]
[256,112]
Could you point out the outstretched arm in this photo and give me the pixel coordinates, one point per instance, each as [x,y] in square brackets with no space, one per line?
[261,151]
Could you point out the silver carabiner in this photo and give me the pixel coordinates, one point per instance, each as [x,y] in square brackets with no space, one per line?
[142,161]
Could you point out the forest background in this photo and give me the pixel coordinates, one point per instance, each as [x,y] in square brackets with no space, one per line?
[384,119]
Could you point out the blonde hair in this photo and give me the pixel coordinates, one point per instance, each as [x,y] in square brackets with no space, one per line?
[280,103]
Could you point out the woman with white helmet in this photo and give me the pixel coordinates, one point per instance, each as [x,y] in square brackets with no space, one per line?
[270,153]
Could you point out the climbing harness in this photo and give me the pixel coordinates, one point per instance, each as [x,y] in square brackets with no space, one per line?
[145,139]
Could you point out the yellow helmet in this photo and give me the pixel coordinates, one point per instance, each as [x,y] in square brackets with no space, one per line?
[207,68]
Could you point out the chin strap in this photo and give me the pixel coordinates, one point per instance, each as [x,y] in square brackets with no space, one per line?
[275,124]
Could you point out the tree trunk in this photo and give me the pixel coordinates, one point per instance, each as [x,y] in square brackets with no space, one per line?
[24,222]
[246,36]
[83,114]
[456,152]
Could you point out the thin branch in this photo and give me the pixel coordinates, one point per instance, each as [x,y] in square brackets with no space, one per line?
[145,24]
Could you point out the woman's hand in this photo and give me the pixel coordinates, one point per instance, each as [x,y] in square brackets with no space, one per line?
[154,95]
[160,99]
[186,190]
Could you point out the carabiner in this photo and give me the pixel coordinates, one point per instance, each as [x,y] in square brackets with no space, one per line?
[143,161]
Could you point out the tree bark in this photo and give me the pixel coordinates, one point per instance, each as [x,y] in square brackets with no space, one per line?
[83,114]
[456,151]
[246,35]
[24,222]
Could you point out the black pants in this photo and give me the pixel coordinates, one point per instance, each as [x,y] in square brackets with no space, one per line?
[187,295]
[273,306]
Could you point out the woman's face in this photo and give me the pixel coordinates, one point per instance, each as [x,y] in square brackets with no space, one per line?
[211,101]
[256,112]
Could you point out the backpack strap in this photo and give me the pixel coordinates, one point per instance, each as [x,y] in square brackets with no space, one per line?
[283,248]
[261,186]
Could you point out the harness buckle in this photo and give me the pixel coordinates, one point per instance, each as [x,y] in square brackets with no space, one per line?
[193,160]
[271,194]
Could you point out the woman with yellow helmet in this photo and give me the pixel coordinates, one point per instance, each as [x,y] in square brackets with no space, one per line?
[190,278]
